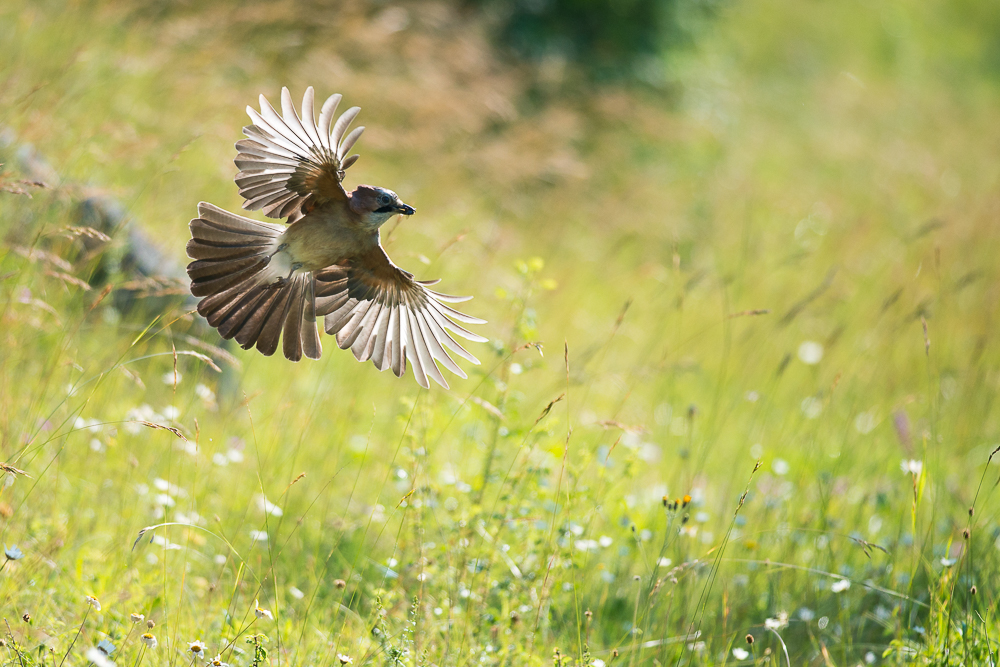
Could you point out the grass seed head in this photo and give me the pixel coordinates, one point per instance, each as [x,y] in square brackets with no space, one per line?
[749,639]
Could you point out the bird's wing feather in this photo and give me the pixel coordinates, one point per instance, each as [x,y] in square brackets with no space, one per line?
[382,314]
[289,162]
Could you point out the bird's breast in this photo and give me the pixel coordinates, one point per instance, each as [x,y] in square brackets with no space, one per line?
[323,239]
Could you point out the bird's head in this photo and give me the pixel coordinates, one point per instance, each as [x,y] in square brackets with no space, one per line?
[376,205]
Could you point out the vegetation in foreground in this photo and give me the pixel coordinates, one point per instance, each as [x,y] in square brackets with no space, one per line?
[741,380]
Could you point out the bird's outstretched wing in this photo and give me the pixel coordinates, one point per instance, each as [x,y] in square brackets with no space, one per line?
[383,314]
[290,163]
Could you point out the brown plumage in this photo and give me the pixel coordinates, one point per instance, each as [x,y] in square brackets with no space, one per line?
[264,282]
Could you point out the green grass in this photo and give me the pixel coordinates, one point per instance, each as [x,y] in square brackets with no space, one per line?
[833,164]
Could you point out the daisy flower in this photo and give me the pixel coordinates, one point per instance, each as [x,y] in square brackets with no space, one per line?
[262,613]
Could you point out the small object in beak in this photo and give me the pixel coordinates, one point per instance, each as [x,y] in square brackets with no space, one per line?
[406,209]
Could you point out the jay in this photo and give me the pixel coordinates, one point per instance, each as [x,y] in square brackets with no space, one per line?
[262,282]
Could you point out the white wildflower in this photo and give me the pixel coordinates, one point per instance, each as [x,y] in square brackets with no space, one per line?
[206,395]
[97,656]
[266,506]
[777,623]
[810,352]
[262,613]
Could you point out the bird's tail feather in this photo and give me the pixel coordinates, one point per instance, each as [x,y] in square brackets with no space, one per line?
[231,254]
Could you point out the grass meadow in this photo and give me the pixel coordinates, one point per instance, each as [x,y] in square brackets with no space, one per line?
[740,383]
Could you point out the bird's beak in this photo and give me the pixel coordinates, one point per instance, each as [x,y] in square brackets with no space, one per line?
[405,209]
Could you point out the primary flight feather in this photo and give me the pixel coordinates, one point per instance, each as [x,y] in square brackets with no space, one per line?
[264,282]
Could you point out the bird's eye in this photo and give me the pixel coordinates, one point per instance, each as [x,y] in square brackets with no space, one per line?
[384,200]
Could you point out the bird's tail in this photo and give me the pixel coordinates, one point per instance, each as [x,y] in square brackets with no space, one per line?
[231,253]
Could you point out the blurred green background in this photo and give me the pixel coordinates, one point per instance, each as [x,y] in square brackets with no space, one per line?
[742,230]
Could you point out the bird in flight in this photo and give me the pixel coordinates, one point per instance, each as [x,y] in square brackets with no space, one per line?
[262,282]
